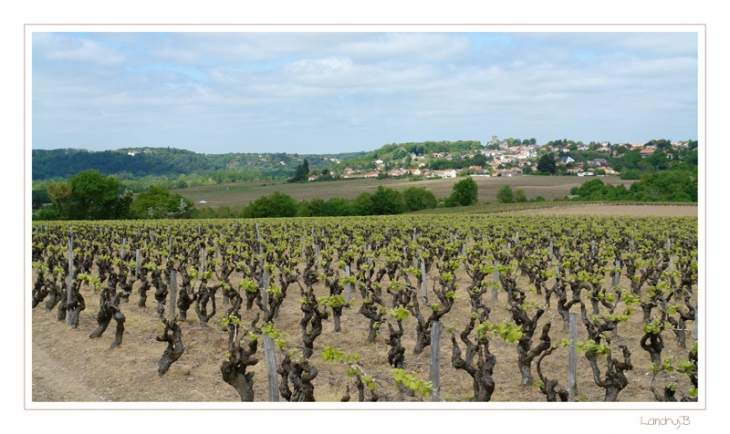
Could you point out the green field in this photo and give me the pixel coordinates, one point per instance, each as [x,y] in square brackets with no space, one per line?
[241,194]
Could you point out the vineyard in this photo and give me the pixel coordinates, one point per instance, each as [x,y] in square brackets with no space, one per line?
[410,308]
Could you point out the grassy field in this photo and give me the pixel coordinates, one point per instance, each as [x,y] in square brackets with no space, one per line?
[241,194]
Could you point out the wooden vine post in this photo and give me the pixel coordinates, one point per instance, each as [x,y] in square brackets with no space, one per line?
[69,278]
[496,279]
[435,368]
[172,301]
[270,359]
[175,347]
[418,252]
[138,258]
[265,284]
[348,287]
[463,253]
[572,357]
[265,280]
[550,250]
[424,283]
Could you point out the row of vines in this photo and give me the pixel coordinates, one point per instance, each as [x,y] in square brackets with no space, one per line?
[506,290]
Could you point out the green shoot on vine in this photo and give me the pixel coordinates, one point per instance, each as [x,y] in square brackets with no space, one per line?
[412,382]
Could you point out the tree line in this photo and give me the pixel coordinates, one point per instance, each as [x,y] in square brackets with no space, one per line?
[665,186]
[384,201]
[90,195]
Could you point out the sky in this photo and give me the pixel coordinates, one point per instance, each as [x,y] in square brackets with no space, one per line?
[331,92]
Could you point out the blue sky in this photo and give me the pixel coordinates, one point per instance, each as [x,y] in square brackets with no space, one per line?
[325,92]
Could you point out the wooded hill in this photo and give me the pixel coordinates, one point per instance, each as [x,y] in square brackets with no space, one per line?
[140,162]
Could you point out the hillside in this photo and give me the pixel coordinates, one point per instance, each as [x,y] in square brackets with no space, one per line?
[140,168]
[172,162]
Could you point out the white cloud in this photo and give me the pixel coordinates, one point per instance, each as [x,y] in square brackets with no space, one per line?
[428,86]
[409,47]
[63,47]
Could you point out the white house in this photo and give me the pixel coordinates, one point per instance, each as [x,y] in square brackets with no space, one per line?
[445,173]
[567,159]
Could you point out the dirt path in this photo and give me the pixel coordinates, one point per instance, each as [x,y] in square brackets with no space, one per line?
[620,210]
[55,382]
[70,367]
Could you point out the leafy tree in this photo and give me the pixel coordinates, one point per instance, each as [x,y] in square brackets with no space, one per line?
[363,204]
[546,164]
[465,193]
[519,196]
[276,205]
[632,159]
[418,198]
[319,208]
[387,201]
[97,197]
[399,153]
[312,208]
[302,172]
[60,194]
[669,185]
[630,174]
[338,206]
[505,195]
[39,197]
[664,186]
[588,188]
[662,144]
[658,160]
[157,202]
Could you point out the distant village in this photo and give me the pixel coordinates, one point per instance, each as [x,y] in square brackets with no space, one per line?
[502,160]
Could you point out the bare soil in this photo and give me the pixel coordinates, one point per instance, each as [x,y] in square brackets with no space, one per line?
[68,366]
[620,210]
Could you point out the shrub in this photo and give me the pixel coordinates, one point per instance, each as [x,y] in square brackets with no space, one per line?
[519,196]
[505,195]
[465,193]
[418,198]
